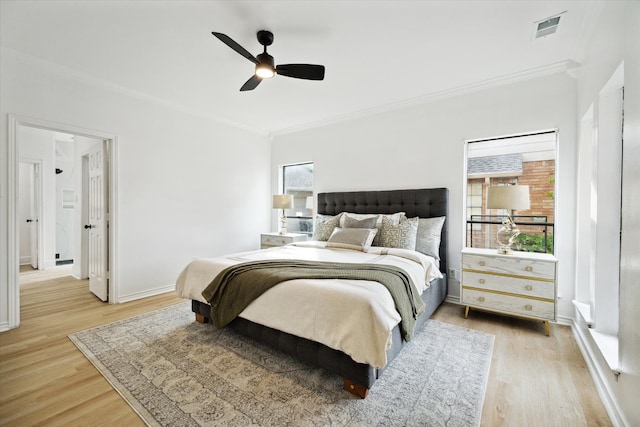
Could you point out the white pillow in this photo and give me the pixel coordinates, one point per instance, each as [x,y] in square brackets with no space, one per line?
[428,239]
[352,238]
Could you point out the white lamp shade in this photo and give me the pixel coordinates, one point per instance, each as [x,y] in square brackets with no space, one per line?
[282,201]
[508,197]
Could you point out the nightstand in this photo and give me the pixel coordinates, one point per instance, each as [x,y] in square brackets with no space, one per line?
[269,240]
[521,284]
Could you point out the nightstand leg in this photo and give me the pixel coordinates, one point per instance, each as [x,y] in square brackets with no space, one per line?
[466,312]
[546,326]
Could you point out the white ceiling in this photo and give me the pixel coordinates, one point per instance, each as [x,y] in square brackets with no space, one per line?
[377,54]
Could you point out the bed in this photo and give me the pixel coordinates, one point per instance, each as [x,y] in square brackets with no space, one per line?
[359,371]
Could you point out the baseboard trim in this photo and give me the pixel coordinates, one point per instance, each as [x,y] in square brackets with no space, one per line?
[144,294]
[452,299]
[599,373]
[4,326]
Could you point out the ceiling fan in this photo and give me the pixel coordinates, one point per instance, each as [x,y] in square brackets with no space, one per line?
[265,68]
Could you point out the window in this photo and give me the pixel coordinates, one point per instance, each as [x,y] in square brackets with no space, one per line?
[527,159]
[297,180]
[474,203]
[599,226]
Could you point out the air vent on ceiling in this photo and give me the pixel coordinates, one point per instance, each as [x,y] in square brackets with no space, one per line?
[546,27]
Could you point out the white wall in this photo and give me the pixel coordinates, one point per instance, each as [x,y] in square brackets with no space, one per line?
[187,186]
[423,147]
[616,40]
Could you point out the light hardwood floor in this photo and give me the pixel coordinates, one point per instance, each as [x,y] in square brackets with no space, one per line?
[534,380]
[44,380]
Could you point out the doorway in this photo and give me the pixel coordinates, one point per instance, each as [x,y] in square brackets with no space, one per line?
[70,199]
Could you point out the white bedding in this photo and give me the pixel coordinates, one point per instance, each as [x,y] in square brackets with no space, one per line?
[353,316]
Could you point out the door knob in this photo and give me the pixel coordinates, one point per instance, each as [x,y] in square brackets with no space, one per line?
[29,220]
[87,226]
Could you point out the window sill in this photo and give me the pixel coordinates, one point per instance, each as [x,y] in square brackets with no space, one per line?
[606,343]
[584,310]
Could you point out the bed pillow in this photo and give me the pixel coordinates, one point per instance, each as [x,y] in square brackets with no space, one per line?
[324,226]
[351,238]
[394,219]
[429,232]
[350,222]
[403,235]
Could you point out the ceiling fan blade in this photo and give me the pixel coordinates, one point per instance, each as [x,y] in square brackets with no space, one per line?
[251,84]
[235,46]
[301,71]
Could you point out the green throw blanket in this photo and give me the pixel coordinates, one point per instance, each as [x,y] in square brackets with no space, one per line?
[234,288]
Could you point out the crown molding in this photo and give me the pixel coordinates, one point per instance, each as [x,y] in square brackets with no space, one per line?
[81,76]
[568,66]
[504,80]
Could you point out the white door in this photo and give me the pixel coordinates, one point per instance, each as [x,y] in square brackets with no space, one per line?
[28,213]
[34,217]
[97,223]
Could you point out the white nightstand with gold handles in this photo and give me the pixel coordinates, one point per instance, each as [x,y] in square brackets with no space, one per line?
[269,240]
[521,284]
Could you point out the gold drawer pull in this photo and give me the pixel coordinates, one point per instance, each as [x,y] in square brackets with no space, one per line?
[528,307]
[481,299]
[529,287]
[528,268]
[481,263]
[481,281]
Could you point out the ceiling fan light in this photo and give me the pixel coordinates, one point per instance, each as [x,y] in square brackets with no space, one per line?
[264,71]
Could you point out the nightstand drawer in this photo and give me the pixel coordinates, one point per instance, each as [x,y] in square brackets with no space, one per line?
[509,304]
[511,285]
[515,266]
[268,240]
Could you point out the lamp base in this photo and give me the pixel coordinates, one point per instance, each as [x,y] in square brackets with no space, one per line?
[505,250]
[283,224]
[507,235]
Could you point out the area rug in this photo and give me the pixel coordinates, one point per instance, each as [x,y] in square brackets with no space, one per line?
[174,371]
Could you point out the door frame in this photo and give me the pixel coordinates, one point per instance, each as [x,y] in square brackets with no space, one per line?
[14,122]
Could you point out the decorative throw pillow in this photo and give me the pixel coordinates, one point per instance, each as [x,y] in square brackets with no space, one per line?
[351,238]
[393,219]
[324,226]
[429,232]
[350,222]
[403,235]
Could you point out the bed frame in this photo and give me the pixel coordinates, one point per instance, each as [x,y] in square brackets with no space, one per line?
[357,377]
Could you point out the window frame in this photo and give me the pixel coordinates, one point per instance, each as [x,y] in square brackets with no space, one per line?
[493,178]
[302,223]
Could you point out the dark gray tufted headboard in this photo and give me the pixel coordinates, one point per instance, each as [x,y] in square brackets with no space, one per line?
[424,203]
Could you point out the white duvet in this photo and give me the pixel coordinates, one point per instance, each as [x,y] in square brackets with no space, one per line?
[353,316]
